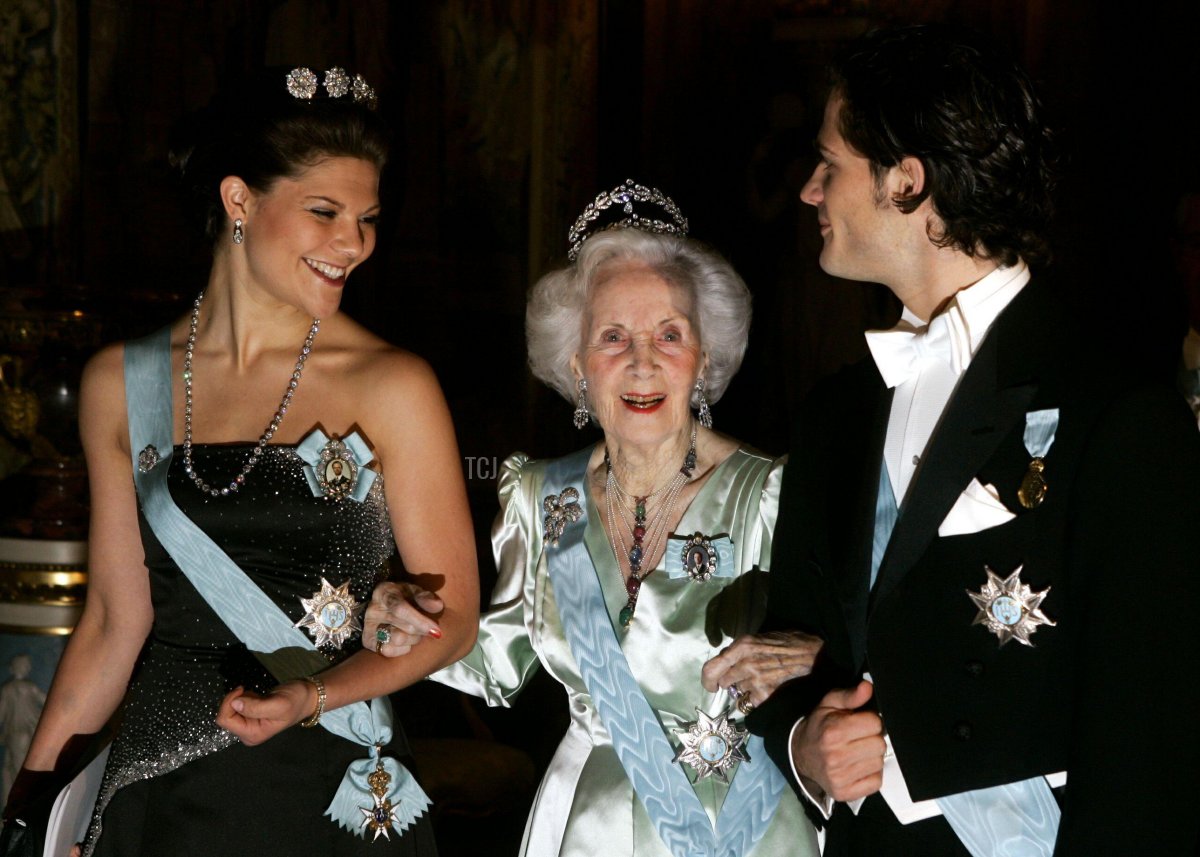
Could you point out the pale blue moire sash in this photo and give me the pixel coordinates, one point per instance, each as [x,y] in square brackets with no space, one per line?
[637,735]
[248,612]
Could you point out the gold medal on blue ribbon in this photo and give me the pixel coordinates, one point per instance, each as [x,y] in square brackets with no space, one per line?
[331,615]
[1040,429]
[1033,486]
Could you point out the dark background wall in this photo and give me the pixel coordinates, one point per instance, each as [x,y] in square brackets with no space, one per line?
[510,115]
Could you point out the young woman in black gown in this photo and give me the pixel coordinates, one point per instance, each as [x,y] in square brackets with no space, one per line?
[209,759]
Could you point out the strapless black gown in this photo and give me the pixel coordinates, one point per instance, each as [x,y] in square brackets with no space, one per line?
[178,785]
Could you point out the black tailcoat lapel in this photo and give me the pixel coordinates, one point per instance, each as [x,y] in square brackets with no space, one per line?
[854,589]
[993,394]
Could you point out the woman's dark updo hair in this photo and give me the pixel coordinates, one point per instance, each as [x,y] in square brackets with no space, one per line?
[261,133]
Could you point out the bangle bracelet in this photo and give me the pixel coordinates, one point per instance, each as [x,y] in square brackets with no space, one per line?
[315,717]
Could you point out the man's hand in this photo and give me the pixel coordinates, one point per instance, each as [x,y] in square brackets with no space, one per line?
[839,748]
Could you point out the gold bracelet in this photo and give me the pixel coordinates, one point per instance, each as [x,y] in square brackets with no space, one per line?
[315,718]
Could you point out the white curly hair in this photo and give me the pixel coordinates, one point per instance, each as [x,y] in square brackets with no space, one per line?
[720,304]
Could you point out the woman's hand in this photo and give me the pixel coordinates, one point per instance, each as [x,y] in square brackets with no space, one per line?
[400,609]
[254,718]
[759,663]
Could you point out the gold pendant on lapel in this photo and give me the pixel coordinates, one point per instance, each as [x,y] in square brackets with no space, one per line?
[711,745]
[1009,608]
[1033,486]
[331,615]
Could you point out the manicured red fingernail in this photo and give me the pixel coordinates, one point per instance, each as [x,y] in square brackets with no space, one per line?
[436,633]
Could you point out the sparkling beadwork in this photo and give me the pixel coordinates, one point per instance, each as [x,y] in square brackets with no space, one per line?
[187,667]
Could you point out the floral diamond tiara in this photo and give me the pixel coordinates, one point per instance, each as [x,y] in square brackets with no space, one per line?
[656,207]
[302,83]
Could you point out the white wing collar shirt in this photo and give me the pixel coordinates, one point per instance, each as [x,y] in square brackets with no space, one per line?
[924,362]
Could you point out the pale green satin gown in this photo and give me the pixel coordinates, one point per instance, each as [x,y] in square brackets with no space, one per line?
[585,805]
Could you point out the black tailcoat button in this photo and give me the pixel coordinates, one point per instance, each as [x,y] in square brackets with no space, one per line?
[962,730]
[974,668]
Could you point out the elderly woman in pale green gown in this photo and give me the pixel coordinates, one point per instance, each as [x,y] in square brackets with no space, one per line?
[626,566]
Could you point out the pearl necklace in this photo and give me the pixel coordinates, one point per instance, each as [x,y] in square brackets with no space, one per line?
[639,530]
[188,466]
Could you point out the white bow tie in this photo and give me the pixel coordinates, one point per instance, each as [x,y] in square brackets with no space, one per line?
[899,352]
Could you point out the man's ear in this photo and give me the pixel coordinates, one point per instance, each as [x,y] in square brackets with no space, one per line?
[906,180]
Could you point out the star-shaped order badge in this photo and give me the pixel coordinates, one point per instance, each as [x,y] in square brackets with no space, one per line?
[331,615]
[711,745]
[1009,608]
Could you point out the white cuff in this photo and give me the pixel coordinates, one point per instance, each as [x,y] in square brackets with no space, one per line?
[824,803]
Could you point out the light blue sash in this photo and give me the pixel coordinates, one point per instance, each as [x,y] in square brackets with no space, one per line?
[1013,820]
[252,616]
[887,512]
[637,735]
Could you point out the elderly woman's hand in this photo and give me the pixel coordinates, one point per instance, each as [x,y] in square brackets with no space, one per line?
[396,619]
[759,663]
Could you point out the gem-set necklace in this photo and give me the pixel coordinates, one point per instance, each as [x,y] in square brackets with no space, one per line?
[646,536]
[294,382]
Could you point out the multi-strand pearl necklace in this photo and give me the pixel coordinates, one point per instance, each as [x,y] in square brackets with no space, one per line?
[237,482]
[655,531]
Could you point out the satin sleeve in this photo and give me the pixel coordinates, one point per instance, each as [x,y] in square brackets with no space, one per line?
[503,658]
[768,512]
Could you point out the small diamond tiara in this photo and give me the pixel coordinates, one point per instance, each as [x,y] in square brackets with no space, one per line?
[302,83]
[626,196]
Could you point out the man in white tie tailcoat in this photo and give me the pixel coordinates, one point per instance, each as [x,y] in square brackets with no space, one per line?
[988,523]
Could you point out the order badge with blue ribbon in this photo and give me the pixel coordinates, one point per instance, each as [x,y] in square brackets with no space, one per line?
[336,468]
[1040,428]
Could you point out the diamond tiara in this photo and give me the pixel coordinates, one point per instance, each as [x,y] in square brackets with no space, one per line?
[302,83]
[626,196]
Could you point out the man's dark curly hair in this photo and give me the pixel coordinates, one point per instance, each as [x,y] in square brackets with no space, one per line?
[972,118]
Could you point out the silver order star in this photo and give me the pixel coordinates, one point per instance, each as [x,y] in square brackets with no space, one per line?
[1009,608]
[561,509]
[331,615]
[711,745]
[147,458]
